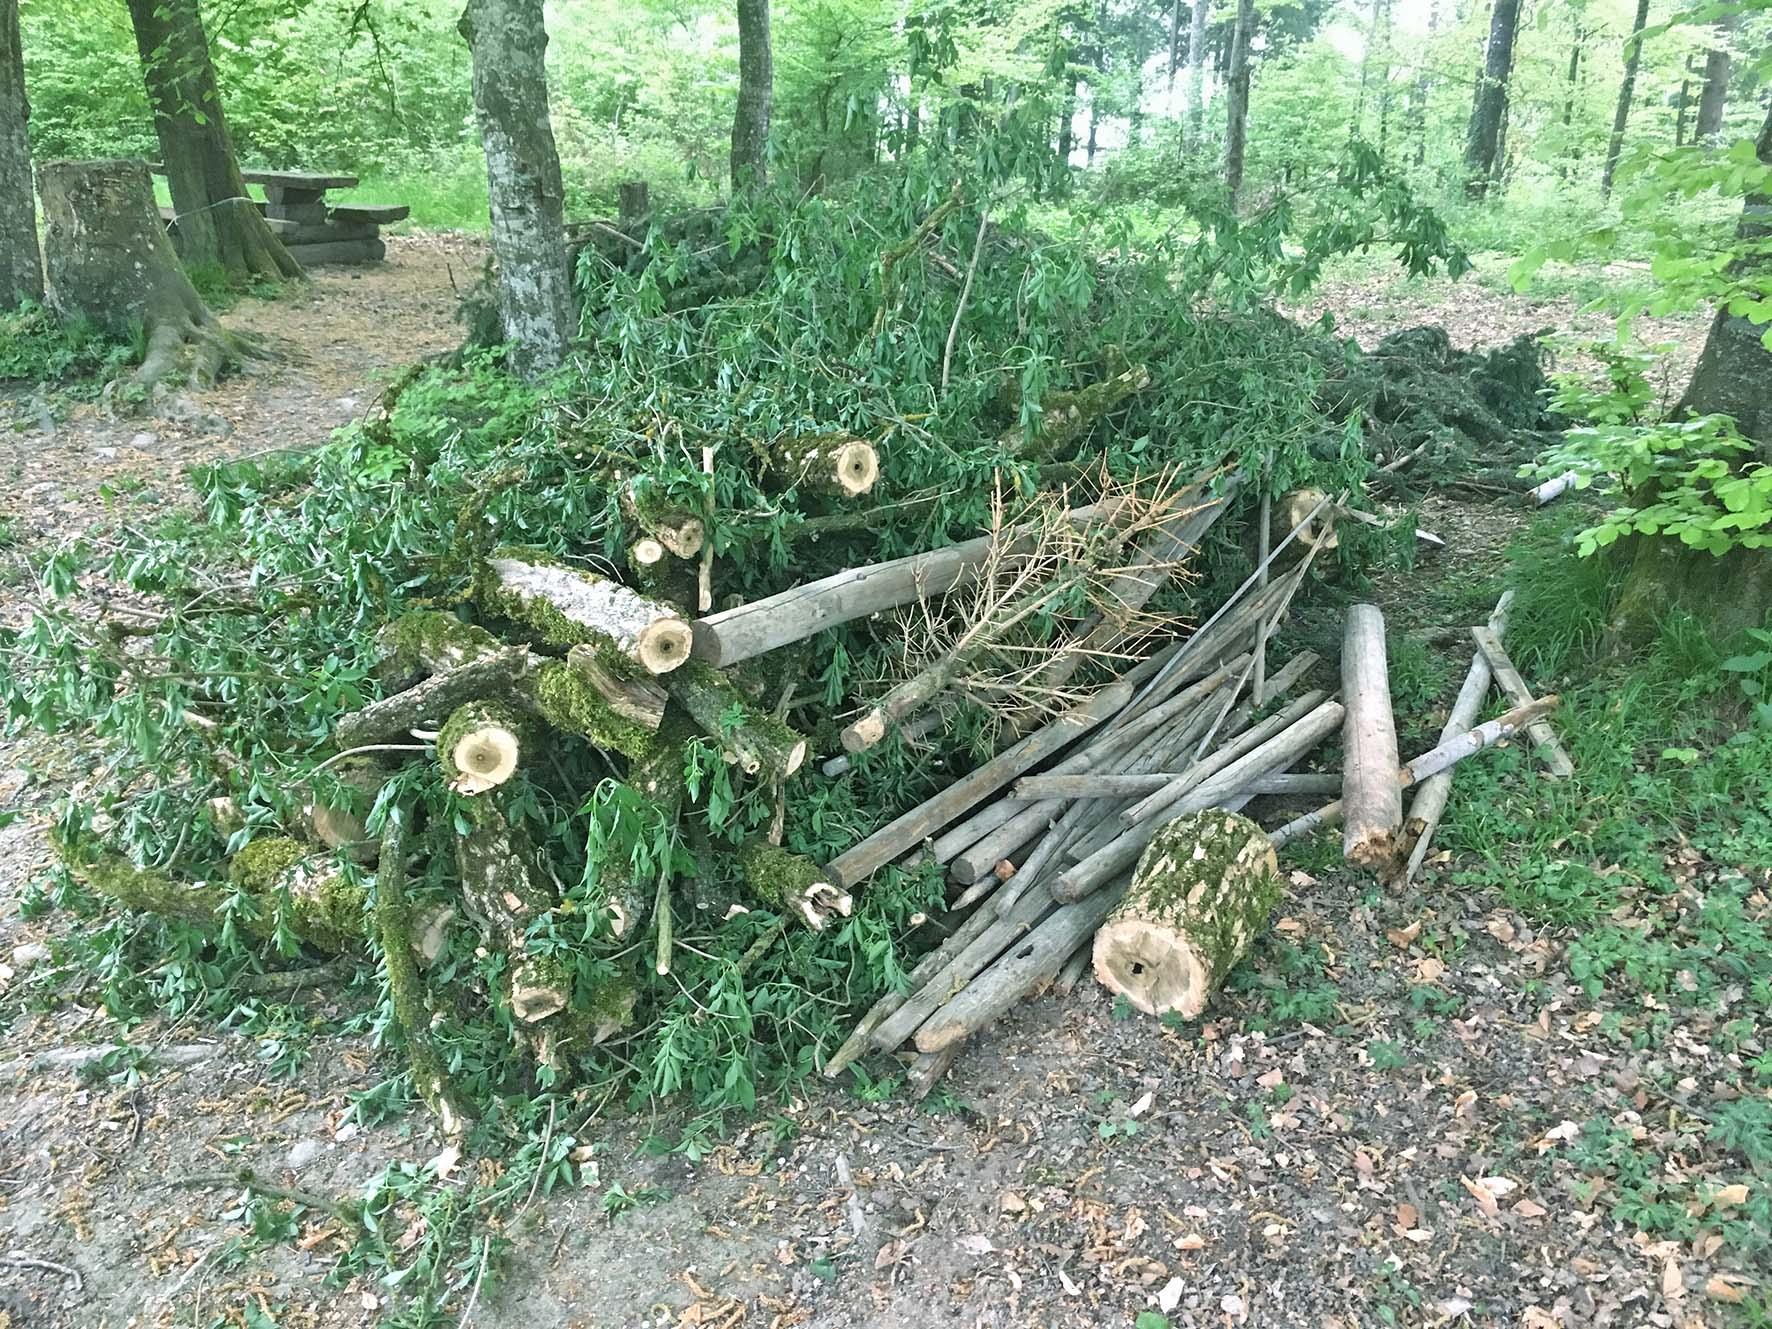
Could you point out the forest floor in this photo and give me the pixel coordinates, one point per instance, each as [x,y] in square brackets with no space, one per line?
[1390,1119]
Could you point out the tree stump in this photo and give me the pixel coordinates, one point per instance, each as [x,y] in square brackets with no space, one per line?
[110,261]
[1202,891]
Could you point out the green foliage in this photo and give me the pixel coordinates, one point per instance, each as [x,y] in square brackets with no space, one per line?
[37,347]
[1695,480]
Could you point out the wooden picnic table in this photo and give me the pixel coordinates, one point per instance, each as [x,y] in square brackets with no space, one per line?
[310,228]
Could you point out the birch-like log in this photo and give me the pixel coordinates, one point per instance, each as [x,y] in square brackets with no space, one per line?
[1201,893]
[859,863]
[1551,489]
[1430,763]
[1371,800]
[569,606]
[1429,803]
[1513,687]
[803,611]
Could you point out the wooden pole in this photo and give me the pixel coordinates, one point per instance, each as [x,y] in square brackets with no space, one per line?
[1514,688]
[1370,797]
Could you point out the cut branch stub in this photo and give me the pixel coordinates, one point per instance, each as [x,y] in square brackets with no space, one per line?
[839,465]
[569,606]
[668,525]
[631,693]
[480,747]
[1201,893]
[791,883]
[753,739]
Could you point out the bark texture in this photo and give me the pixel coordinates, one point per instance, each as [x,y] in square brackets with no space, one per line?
[1735,591]
[1715,97]
[110,260]
[756,96]
[1236,133]
[218,223]
[1201,893]
[1196,74]
[509,43]
[21,263]
[1633,54]
[1482,143]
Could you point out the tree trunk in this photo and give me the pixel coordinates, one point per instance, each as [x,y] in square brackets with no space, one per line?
[1067,115]
[1633,54]
[1482,142]
[1174,51]
[1569,102]
[1196,75]
[1682,103]
[1236,129]
[1715,97]
[1202,892]
[21,264]
[1423,88]
[756,94]
[1735,591]
[218,224]
[110,260]
[508,41]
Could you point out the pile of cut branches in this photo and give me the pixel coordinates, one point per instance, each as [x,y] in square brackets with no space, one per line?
[583,710]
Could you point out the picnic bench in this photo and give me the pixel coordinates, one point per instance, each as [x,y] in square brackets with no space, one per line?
[310,228]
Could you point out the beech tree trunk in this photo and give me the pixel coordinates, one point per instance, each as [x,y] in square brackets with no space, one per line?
[110,260]
[1196,74]
[1715,97]
[21,264]
[1735,591]
[756,96]
[509,41]
[218,223]
[1633,54]
[1482,143]
[1236,132]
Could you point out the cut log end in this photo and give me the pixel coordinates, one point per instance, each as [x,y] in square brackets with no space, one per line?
[857,467]
[865,732]
[484,758]
[1152,966]
[664,645]
[646,552]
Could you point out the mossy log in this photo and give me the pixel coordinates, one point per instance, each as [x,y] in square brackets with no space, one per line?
[791,883]
[325,912]
[393,918]
[626,900]
[752,738]
[1066,416]
[481,745]
[833,465]
[568,606]
[1201,893]
[675,528]
[595,693]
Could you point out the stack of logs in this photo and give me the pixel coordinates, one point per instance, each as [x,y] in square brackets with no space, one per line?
[1126,849]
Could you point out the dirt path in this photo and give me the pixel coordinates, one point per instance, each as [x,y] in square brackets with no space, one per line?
[1378,1126]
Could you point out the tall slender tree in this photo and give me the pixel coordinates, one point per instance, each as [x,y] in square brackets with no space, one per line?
[756,95]
[508,41]
[1482,142]
[21,264]
[1196,74]
[1715,97]
[218,225]
[1627,91]
[1236,130]
[1571,149]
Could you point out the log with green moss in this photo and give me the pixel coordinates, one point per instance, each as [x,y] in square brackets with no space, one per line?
[1200,895]
[405,988]
[568,606]
[791,883]
[833,465]
[324,910]
[753,738]
[657,516]
[1065,416]
[481,745]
